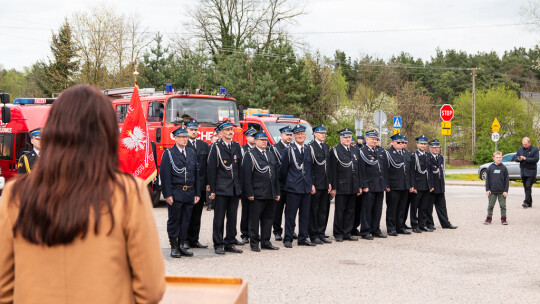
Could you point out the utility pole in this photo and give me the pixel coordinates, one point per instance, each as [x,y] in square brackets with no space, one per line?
[473,111]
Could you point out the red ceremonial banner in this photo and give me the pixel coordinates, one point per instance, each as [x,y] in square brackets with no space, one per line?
[135,153]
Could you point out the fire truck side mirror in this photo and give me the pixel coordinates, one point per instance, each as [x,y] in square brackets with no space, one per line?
[6,112]
[241,112]
[4,97]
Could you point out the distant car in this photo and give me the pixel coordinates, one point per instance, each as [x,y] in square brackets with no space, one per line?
[512,166]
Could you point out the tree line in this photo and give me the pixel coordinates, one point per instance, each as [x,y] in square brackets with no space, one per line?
[246,46]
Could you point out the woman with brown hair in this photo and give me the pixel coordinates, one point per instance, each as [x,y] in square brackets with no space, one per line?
[77,229]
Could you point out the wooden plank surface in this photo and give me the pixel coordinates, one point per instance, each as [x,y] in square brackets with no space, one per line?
[205,290]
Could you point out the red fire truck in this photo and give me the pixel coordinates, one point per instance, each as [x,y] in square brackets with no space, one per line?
[271,123]
[23,115]
[166,110]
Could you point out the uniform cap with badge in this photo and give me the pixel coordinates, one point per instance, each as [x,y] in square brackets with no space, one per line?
[192,125]
[435,143]
[181,131]
[35,133]
[345,132]
[260,135]
[224,125]
[286,130]
[422,139]
[397,138]
[319,129]
[250,132]
[299,129]
[372,133]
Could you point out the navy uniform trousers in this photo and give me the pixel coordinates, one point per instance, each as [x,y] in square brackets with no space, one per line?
[179,217]
[224,206]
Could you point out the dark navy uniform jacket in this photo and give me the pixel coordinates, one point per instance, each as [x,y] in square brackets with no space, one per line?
[528,166]
[29,157]
[259,175]
[224,169]
[296,180]
[436,172]
[420,172]
[245,148]
[372,168]
[320,169]
[345,170]
[398,167]
[201,147]
[278,150]
[184,172]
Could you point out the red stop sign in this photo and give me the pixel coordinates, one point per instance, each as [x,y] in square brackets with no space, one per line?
[447,112]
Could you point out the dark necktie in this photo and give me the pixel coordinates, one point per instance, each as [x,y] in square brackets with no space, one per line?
[264,154]
[302,151]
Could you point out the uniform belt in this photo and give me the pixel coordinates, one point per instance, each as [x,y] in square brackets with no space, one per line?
[183,187]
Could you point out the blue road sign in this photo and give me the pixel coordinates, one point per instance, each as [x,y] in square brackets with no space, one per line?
[397,122]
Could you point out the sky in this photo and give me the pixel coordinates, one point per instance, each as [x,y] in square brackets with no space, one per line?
[379,28]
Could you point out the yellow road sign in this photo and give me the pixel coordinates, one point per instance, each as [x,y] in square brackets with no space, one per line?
[446,128]
[495,124]
[396,131]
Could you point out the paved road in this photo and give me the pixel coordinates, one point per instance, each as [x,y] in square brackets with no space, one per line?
[473,264]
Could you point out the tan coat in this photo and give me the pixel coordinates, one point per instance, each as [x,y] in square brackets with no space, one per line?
[123,267]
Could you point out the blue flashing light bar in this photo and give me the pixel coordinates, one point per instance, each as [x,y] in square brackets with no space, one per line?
[27,101]
[221,91]
[169,88]
[274,115]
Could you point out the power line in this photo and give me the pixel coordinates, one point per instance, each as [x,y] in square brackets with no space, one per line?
[320,32]
[416,29]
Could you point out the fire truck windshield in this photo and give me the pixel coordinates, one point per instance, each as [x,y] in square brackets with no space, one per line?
[273,128]
[204,110]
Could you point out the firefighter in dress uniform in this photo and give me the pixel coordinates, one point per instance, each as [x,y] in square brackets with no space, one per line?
[278,150]
[345,182]
[261,190]
[201,148]
[319,205]
[217,136]
[407,156]
[421,186]
[27,160]
[398,186]
[225,188]
[358,206]
[244,219]
[180,185]
[295,170]
[372,172]
[436,197]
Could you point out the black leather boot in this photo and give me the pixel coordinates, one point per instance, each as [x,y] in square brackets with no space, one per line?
[183,250]
[175,252]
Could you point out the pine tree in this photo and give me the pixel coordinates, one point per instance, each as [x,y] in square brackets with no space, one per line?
[59,73]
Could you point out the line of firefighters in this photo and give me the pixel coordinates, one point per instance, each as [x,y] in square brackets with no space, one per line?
[296,179]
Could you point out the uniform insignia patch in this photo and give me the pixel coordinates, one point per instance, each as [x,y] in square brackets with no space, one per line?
[394,152]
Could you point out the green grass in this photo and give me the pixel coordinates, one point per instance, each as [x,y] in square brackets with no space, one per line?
[474,177]
[461,167]
[464,177]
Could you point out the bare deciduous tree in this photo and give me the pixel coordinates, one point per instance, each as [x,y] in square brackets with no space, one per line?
[227,25]
[107,43]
